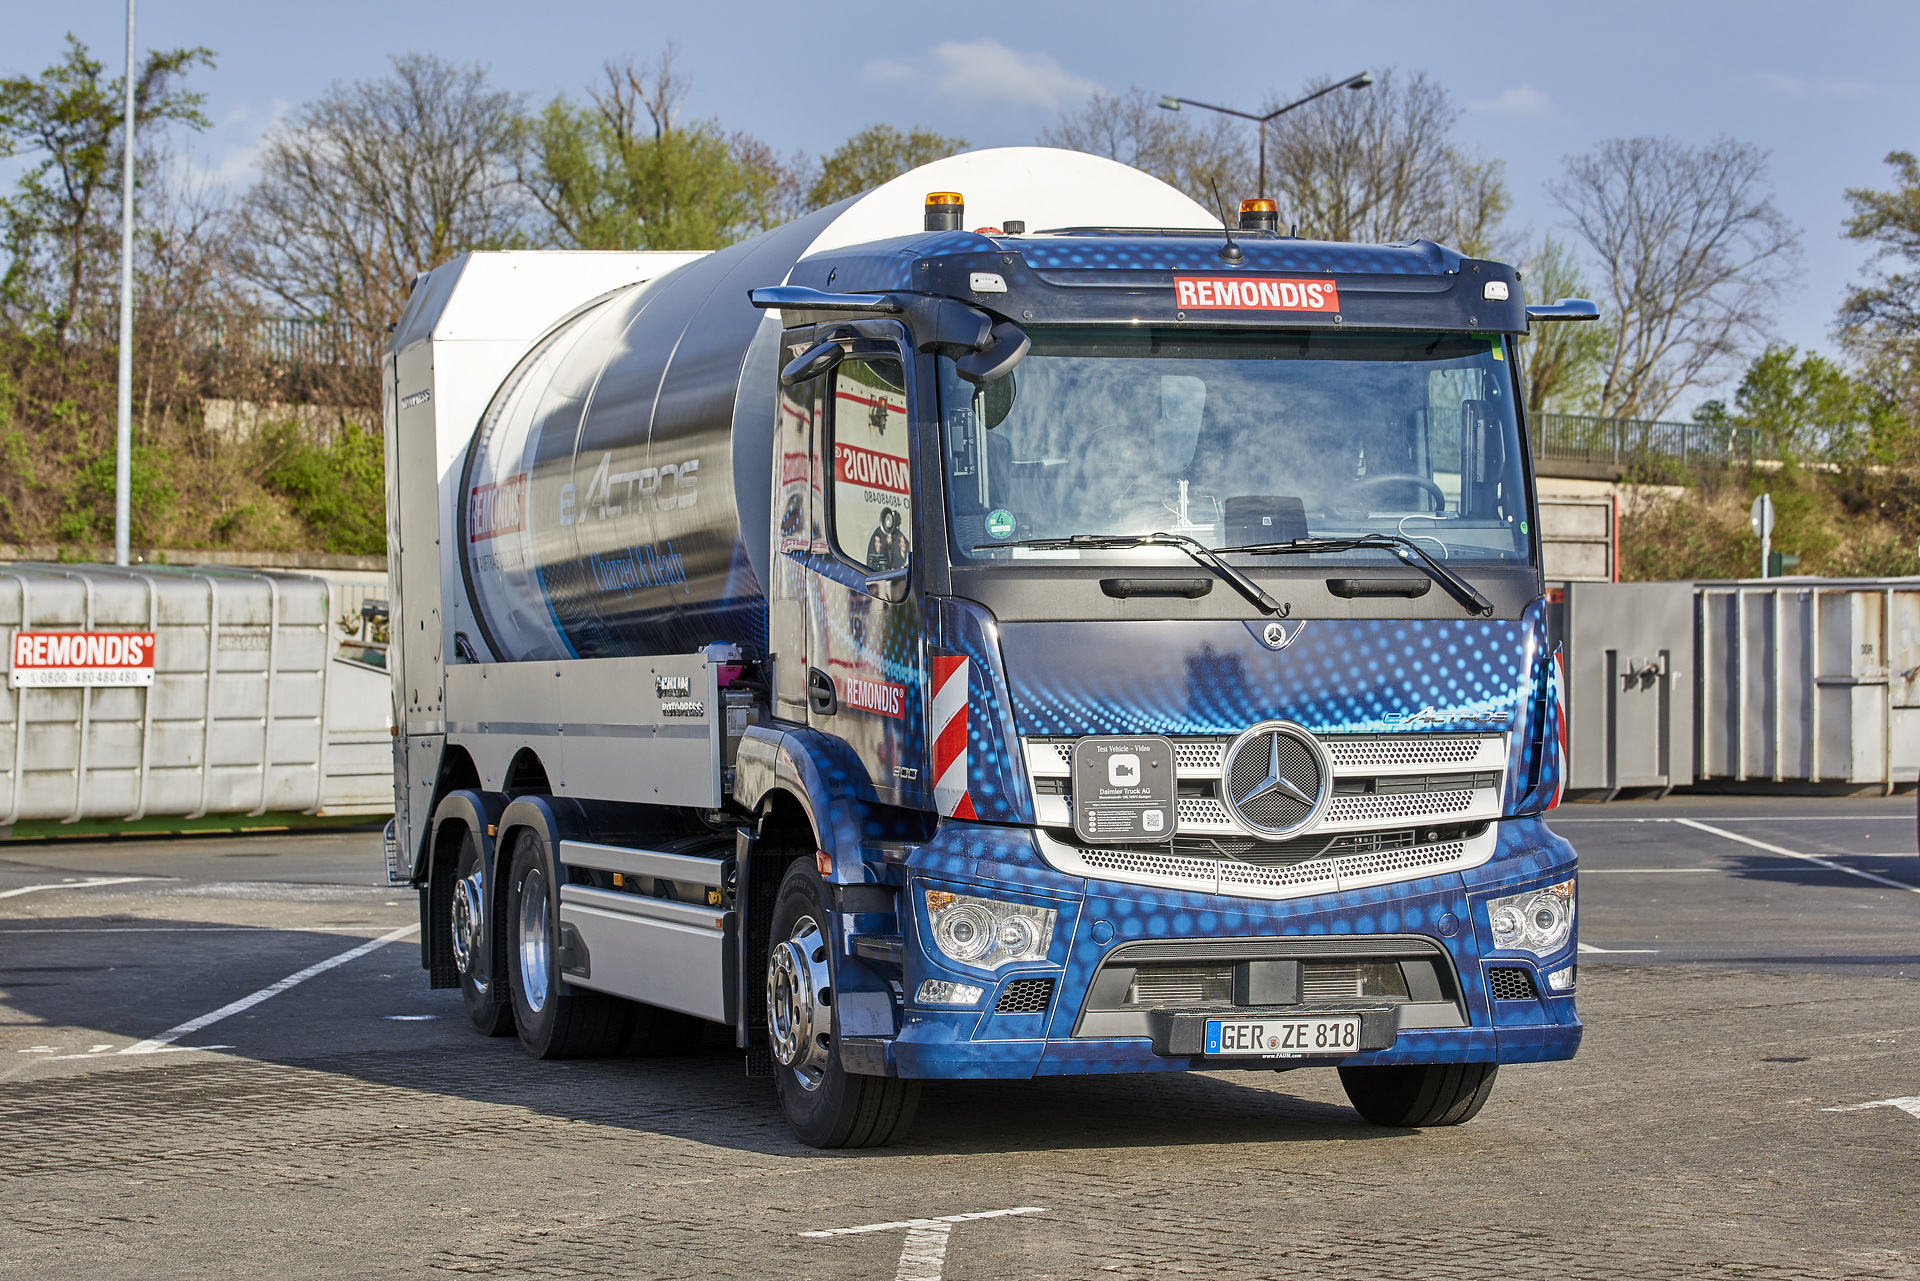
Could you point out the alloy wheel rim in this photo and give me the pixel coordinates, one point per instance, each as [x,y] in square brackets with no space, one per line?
[535,954]
[800,1003]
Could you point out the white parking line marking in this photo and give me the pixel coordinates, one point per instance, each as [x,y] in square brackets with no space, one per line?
[409,1018]
[1807,858]
[1909,1105]
[924,1254]
[1621,951]
[1776,818]
[1645,871]
[156,1044]
[87,884]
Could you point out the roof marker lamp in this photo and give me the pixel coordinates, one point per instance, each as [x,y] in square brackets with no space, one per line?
[986,933]
[946,210]
[1539,921]
[1259,215]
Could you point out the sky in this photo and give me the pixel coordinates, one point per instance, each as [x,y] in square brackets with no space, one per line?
[1827,91]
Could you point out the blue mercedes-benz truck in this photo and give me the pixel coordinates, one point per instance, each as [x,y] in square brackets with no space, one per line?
[1006,624]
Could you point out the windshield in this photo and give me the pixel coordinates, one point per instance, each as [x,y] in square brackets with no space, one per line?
[1237,438]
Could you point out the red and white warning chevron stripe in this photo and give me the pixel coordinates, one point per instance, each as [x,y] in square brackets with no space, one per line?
[949,725]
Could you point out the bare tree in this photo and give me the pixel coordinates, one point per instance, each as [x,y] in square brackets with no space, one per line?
[1880,320]
[1562,362]
[379,181]
[1693,257]
[1131,129]
[1381,165]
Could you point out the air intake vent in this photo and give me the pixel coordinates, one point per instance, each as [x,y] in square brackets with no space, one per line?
[1510,983]
[1025,996]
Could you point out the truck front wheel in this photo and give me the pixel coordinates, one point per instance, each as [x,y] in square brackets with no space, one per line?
[555,1020]
[1416,1095]
[827,1106]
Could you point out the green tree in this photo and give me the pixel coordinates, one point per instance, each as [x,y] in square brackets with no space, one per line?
[877,154]
[622,172]
[1880,320]
[338,489]
[60,223]
[1804,407]
[1562,360]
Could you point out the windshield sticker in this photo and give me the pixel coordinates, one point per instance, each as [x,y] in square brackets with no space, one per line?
[1238,294]
[1000,523]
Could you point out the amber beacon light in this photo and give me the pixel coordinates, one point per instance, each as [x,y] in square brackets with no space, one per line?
[946,210]
[1259,215]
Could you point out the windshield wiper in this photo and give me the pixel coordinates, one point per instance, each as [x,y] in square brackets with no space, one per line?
[1403,547]
[1121,542]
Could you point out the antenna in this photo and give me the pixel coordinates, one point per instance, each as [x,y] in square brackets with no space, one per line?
[1231,252]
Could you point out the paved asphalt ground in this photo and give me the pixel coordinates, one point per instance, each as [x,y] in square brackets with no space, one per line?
[1749,1013]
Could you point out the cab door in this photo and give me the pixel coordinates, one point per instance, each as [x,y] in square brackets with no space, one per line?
[867,657]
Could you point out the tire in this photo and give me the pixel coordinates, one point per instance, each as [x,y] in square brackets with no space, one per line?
[1416,1095]
[488,1009]
[826,1106]
[555,1020]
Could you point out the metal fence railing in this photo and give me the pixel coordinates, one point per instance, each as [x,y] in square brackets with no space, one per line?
[287,340]
[1578,438]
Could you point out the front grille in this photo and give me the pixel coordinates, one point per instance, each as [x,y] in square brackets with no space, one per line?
[1182,985]
[1172,985]
[1390,806]
[1339,981]
[1025,996]
[1510,983]
[1407,750]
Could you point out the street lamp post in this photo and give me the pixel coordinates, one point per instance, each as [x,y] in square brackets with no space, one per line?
[1171,103]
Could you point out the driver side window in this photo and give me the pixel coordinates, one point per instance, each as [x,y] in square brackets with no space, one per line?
[872,490]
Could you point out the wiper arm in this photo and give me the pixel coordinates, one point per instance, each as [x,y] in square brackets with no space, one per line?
[1405,548]
[1122,542]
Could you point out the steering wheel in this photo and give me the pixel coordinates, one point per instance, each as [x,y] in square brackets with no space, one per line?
[1406,478]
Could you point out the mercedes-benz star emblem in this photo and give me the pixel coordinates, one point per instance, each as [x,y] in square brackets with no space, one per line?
[1278,779]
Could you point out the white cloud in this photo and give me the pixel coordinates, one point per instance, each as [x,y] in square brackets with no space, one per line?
[986,70]
[1523,101]
[1798,87]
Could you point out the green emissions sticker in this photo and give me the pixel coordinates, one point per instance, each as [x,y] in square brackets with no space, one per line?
[1000,523]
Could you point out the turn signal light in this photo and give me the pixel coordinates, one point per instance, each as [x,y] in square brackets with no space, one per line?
[946,210]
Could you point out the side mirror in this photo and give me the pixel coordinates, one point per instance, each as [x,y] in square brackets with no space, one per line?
[890,587]
[1008,347]
[813,362]
[1565,309]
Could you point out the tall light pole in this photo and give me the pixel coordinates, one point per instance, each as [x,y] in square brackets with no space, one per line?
[123,444]
[1171,103]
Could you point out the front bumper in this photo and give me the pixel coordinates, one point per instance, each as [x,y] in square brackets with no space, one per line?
[1101,920]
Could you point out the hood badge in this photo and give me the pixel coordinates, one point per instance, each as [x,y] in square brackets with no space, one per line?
[1277,635]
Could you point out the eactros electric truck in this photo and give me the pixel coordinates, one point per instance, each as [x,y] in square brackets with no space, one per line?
[1100,640]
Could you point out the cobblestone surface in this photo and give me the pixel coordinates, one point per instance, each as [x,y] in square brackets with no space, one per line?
[1688,1140]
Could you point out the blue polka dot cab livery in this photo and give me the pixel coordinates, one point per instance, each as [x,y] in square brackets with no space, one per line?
[1004,624]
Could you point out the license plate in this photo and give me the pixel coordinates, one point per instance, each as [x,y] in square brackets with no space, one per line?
[1295,1037]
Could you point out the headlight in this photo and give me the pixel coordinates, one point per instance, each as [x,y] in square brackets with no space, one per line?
[1539,921]
[987,933]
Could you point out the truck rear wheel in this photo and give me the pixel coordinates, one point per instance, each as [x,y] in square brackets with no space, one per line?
[1417,1095]
[488,1008]
[555,1020]
[827,1106]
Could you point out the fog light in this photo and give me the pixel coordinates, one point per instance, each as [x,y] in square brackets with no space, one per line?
[941,992]
[1561,980]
